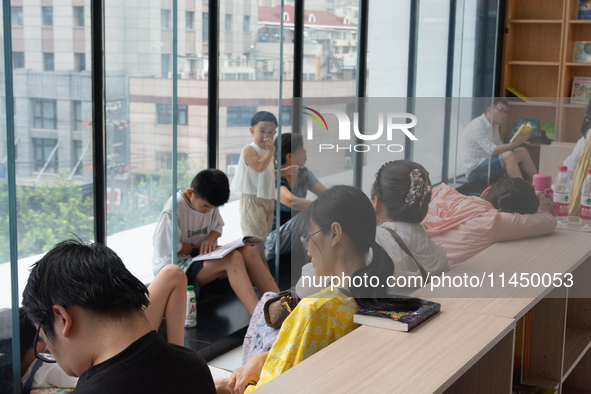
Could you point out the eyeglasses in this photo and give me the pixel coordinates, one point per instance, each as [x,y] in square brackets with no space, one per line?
[45,357]
[502,110]
[306,241]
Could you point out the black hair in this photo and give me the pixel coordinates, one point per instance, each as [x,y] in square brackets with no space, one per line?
[513,195]
[404,200]
[498,100]
[289,144]
[351,208]
[263,116]
[586,125]
[87,275]
[27,332]
[212,185]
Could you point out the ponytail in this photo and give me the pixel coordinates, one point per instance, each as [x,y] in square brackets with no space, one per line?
[377,298]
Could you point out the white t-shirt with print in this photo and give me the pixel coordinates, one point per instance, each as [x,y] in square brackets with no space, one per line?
[192,228]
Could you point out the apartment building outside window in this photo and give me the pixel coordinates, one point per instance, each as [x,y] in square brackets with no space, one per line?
[44,114]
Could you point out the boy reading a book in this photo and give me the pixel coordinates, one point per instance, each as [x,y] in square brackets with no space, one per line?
[481,140]
[199,225]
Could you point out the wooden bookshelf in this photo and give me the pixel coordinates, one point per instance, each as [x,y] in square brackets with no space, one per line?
[539,43]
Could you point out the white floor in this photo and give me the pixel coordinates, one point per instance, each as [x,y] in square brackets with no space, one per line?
[229,361]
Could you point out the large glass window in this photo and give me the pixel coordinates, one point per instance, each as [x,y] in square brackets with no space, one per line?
[44,114]
[239,116]
[164,112]
[16,15]
[18,60]
[79,61]
[45,153]
[166,19]
[48,64]
[78,15]
[189,19]
[47,15]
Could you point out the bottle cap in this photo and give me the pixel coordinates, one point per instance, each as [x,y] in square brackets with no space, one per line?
[563,168]
[190,288]
[588,170]
[542,181]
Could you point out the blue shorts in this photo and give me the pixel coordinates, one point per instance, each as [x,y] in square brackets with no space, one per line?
[481,172]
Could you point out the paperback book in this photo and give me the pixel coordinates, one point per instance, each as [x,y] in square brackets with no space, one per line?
[582,53]
[223,250]
[581,91]
[584,9]
[399,321]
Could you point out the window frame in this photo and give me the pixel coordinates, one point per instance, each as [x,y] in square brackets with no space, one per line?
[39,162]
[47,18]
[42,118]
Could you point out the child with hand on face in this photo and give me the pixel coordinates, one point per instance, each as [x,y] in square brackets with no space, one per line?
[255,178]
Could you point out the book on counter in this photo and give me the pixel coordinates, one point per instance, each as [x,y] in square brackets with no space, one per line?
[399,321]
[222,251]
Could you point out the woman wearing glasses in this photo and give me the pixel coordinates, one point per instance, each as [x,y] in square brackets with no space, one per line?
[341,230]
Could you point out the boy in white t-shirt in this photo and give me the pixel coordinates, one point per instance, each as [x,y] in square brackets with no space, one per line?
[199,225]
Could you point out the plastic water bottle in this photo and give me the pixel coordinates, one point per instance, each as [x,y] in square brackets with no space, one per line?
[191,315]
[542,184]
[561,188]
[585,214]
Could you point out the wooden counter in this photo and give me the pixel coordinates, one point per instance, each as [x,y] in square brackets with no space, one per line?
[469,346]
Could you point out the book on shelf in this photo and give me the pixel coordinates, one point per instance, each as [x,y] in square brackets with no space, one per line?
[521,121]
[223,250]
[584,10]
[582,52]
[518,94]
[548,128]
[525,128]
[581,91]
[399,321]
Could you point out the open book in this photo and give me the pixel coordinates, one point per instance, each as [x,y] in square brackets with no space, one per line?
[223,250]
[524,129]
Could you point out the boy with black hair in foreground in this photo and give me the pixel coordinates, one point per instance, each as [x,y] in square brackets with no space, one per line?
[90,312]
[199,225]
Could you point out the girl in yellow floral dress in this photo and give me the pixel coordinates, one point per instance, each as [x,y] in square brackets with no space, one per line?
[341,230]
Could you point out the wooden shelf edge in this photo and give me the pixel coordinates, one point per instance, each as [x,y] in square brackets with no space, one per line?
[540,383]
[531,63]
[575,106]
[578,64]
[580,21]
[532,103]
[550,21]
[576,344]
